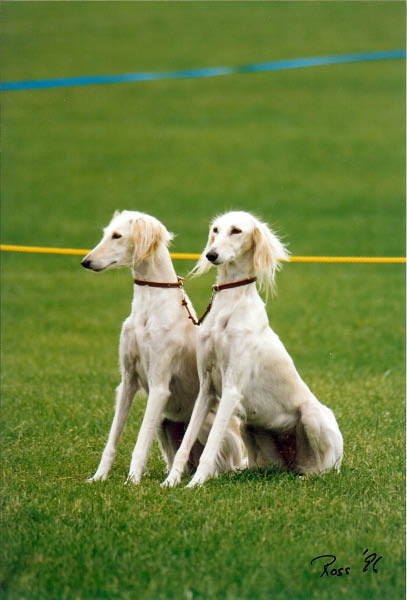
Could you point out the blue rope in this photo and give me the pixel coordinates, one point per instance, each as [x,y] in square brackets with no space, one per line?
[278,65]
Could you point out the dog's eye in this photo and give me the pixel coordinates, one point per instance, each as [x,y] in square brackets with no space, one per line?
[235,230]
[215,230]
[116,236]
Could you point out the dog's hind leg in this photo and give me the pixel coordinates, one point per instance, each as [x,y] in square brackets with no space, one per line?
[324,439]
[124,399]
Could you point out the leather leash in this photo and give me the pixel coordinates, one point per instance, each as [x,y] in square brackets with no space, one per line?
[215,289]
[180,284]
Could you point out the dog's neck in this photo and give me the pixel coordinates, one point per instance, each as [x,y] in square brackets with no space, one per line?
[158,268]
[237,270]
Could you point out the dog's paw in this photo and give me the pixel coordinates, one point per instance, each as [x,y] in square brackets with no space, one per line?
[133,478]
[98,476]
[196,481]
[172,480]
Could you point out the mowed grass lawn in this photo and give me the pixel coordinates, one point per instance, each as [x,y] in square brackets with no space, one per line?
[319,153]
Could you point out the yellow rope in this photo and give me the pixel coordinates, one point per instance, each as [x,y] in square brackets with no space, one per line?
[348,259]
[191,256]
[37,249]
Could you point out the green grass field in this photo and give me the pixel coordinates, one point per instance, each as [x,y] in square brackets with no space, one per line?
[319,153]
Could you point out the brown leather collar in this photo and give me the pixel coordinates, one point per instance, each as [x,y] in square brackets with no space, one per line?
[226,286]
[180,284]
[157,284]
[215,288]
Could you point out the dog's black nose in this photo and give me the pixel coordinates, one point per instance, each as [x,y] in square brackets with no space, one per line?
[212,256]
[86,263]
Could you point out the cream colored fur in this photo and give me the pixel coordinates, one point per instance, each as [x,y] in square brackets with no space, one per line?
[157,350]
[242,360]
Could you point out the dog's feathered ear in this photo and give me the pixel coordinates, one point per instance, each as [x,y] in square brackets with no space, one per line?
[203,265]
[148,233]
[269,251]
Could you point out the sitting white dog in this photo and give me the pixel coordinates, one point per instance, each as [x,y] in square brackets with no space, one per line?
[241,360]
[157,349]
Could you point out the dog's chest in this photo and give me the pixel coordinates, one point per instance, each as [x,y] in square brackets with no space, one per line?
[138,346]
[217,343]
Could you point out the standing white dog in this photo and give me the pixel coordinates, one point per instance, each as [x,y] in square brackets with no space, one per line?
[157,349]
[241,360]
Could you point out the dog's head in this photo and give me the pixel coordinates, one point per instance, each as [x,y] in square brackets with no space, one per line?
[130,238]
[237,234]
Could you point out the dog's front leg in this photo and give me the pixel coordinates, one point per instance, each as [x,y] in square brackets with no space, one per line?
[157,399]
[199,414]
[124,398]
[228,403]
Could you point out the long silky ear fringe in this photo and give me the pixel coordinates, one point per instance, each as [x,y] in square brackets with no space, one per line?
[269,252]
[148,233]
